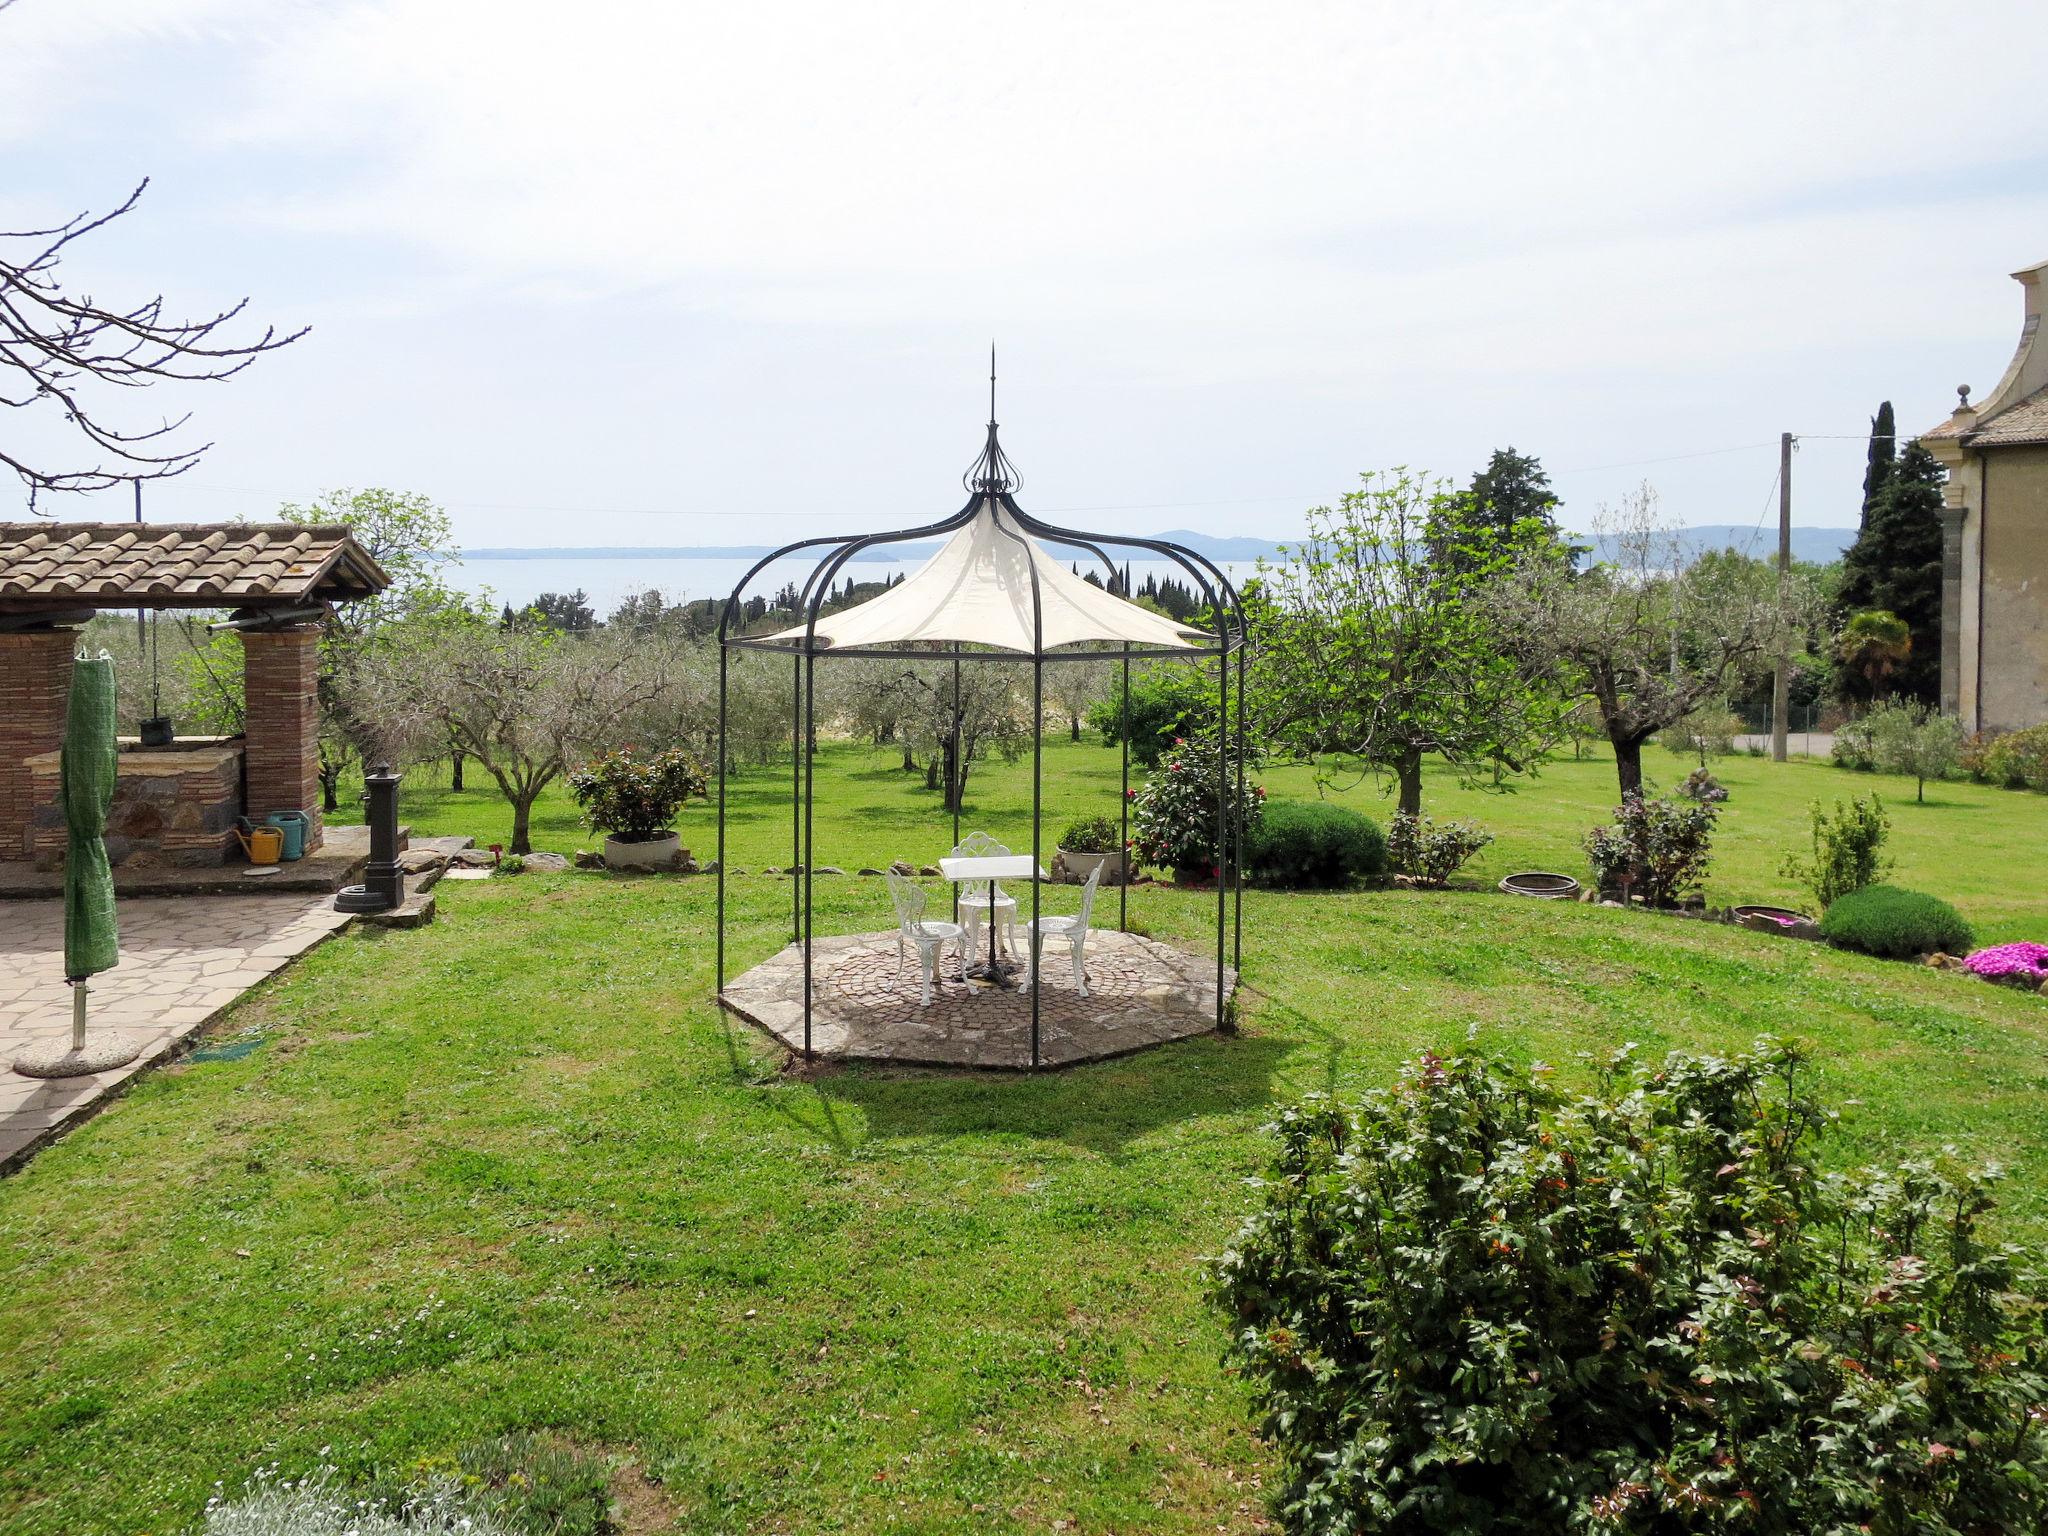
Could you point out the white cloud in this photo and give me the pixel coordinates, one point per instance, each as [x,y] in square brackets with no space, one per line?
[1390,205]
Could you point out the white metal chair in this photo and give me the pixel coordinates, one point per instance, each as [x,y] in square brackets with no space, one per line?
[929,935]
[1071,930]
[974,899]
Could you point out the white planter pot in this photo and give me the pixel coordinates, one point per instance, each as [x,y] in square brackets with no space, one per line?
[663,852]
[1080,866]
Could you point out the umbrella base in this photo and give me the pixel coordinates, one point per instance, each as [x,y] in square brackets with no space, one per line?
[102,1053]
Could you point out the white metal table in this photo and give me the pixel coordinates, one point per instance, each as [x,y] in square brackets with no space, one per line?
[969,869]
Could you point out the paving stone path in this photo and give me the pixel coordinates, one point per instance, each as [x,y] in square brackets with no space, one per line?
[183,959]
[1140,993]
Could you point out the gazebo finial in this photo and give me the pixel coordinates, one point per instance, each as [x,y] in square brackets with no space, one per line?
[992,471]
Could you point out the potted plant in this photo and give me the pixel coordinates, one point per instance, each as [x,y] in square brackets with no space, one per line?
[1089,845]
[634,798]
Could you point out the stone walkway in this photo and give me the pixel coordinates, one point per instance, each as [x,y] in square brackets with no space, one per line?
[1140,993]
[183,959]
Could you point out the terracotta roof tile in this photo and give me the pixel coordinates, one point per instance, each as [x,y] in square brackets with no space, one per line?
[119,565]
[2024,421]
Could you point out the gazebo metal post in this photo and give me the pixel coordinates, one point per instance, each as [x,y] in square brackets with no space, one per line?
[1225,854]
[724,661]
[810,666]
[796,788]
[1123,886]
[1237,900]
[959,767]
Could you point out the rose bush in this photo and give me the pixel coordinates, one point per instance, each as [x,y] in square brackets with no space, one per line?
[1173,814]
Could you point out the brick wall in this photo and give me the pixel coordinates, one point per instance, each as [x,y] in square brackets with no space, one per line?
[280,689]
[35,683]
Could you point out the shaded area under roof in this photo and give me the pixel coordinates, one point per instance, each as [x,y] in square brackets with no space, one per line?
[54,567]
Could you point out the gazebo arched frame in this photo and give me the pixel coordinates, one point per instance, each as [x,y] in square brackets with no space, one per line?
[993,479]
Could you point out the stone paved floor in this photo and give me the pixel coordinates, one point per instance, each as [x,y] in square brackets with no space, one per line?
[183,959]
[1140,993]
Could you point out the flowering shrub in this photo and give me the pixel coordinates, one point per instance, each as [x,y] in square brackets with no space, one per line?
[1702,786]
[2025,962]
[637,796]
[1429,852]
[1473,1303]
[1656,849]
[1173,814]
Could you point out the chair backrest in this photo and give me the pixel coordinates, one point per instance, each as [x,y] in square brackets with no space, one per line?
[909,899]
[1088,894]
[979,845]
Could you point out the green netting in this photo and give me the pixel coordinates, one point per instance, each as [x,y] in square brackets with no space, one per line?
[92,940]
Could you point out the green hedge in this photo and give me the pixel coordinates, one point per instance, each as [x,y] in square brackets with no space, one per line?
[1307,844]
[1897,924]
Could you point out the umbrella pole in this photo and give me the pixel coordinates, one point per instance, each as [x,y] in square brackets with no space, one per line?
[78,991]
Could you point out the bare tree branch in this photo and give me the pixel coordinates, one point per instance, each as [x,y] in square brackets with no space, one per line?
[55,345]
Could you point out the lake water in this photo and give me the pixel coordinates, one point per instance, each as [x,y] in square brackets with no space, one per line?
[605,582]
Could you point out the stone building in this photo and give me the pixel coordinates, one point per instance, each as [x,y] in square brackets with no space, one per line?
[1994,595]
[175,803]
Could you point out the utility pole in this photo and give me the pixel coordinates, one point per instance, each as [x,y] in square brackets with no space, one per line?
[1781,680]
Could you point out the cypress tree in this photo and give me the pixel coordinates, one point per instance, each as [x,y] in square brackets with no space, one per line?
[1895,565]
[1882,457]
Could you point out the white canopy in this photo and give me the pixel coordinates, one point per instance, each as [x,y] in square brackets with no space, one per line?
[977,590]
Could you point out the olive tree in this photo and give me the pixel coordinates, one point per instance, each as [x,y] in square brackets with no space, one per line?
[1373,644]
[1648,637]
[525,702]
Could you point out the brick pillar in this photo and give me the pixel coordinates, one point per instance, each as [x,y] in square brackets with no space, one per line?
[35,684]
[281,713]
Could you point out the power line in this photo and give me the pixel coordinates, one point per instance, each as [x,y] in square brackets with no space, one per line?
[1315,499]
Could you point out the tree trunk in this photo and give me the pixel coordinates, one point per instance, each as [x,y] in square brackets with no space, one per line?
[1408,772]
[931,774]
[1074,727]
[522,813]
[330,786]
[455,770]
[909,759]
[1628,763]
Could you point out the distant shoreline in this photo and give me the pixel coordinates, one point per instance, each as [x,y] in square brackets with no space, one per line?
[1811,544]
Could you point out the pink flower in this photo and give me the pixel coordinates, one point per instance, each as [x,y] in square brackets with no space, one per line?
[2030,960]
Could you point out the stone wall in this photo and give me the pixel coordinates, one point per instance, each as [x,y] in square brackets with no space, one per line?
[173,806]
[2012,687]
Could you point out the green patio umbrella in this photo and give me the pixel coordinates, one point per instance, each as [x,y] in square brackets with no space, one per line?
[92,940]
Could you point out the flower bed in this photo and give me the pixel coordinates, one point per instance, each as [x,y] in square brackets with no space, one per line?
[2022,965]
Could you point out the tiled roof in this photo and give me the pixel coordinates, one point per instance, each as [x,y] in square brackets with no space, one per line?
[45,566]
[2023,422]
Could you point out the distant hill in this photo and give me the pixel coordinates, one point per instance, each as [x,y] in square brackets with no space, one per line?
[1816,545]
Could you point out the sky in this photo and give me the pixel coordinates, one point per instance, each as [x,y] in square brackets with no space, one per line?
[612,273]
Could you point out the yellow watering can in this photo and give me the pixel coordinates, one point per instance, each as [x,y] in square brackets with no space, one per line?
[263,845]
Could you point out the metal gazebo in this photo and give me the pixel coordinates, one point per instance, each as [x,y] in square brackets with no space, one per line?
[991,594]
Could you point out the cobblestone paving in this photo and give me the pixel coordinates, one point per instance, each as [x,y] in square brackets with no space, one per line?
[1140,993]
[183,959]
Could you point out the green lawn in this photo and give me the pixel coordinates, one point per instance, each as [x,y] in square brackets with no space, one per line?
[515,1169]
[1969,843]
